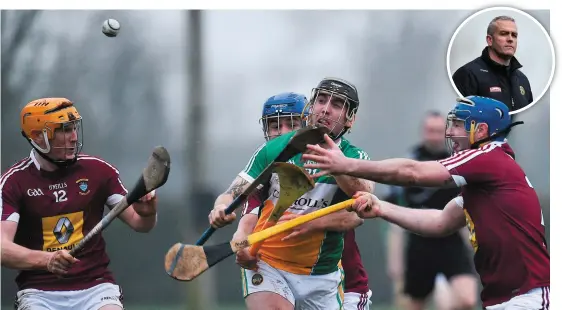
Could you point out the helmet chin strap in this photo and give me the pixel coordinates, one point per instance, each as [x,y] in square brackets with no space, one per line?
[504,132]
[42,152]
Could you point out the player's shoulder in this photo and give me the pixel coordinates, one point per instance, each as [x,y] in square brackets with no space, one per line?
[351,150]
[472,67]
[480,154]
[96,162]
[21,166]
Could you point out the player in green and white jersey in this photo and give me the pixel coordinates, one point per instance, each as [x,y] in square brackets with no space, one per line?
[302,270]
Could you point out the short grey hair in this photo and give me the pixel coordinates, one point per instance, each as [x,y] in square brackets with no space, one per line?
[492,24]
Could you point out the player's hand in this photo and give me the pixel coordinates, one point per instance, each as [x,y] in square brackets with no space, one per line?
[146,206]
[60,262]
[366,205]
[245,260]
[329,159]
[300,230]
[218,218]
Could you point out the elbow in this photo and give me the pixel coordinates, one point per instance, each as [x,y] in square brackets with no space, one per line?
[411,176]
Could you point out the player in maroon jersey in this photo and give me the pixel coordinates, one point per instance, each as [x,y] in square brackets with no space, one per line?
[497,202]
[356,283]
[49,202]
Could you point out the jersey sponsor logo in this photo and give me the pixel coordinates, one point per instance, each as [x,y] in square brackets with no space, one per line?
[304,203]
[471,231]
[495,89]
[83,186]
[34,192]
[57,186]
[62,231]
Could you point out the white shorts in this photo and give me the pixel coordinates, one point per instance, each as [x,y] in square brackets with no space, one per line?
[89,299]
[357,301]
[535,299]
[310,292]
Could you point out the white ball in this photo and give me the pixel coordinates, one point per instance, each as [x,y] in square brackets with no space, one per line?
[110,27]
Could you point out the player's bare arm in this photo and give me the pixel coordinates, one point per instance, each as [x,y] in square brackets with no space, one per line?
[217,216]
[245,227]
[141,216]
[350,184]
[340,221]
[396,171]
[403,172]
[426,222]
[17,257]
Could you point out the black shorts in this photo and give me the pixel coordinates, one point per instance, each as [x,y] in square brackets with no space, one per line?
[425,260]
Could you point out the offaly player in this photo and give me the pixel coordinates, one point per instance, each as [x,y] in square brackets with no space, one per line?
[302,272]
[497,202]
[281,114]
[50,201]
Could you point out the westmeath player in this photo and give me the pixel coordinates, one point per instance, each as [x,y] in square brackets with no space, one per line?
[50,201]
[497,202]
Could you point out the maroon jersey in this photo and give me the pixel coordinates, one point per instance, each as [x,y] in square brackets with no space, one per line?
[356,279]
[505,220]
[55,210]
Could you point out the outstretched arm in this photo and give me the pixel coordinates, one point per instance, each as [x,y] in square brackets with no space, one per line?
[402,171]
[397,171]
[425,222]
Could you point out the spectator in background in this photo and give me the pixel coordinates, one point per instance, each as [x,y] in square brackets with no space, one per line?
[496,73]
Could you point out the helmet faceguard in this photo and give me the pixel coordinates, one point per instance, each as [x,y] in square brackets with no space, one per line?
[339,95]
[53,127]
[280,107]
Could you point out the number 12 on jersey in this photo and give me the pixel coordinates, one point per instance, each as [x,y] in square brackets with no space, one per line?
[60,196]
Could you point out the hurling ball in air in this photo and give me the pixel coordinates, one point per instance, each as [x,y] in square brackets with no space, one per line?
[110,27]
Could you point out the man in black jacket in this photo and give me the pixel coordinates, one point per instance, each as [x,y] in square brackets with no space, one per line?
[495,74]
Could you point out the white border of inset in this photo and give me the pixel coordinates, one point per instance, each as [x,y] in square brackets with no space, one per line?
[497,8]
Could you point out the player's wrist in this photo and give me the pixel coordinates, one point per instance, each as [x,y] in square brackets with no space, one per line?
[42,260]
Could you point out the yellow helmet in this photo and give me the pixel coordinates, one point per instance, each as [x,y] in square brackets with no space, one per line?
[46,115]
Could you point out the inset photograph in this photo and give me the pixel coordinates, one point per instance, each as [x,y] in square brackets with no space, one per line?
[503,53]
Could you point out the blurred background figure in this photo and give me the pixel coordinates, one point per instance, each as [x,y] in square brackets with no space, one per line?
[195,90]
[419,265]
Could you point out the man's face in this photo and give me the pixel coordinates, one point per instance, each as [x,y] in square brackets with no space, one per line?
[457,135]
[64,143]
[282,124]
[504,40]
[330,110]
[433,134]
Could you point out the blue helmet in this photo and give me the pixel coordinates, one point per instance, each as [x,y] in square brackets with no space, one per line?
[474,110]
[283,105]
